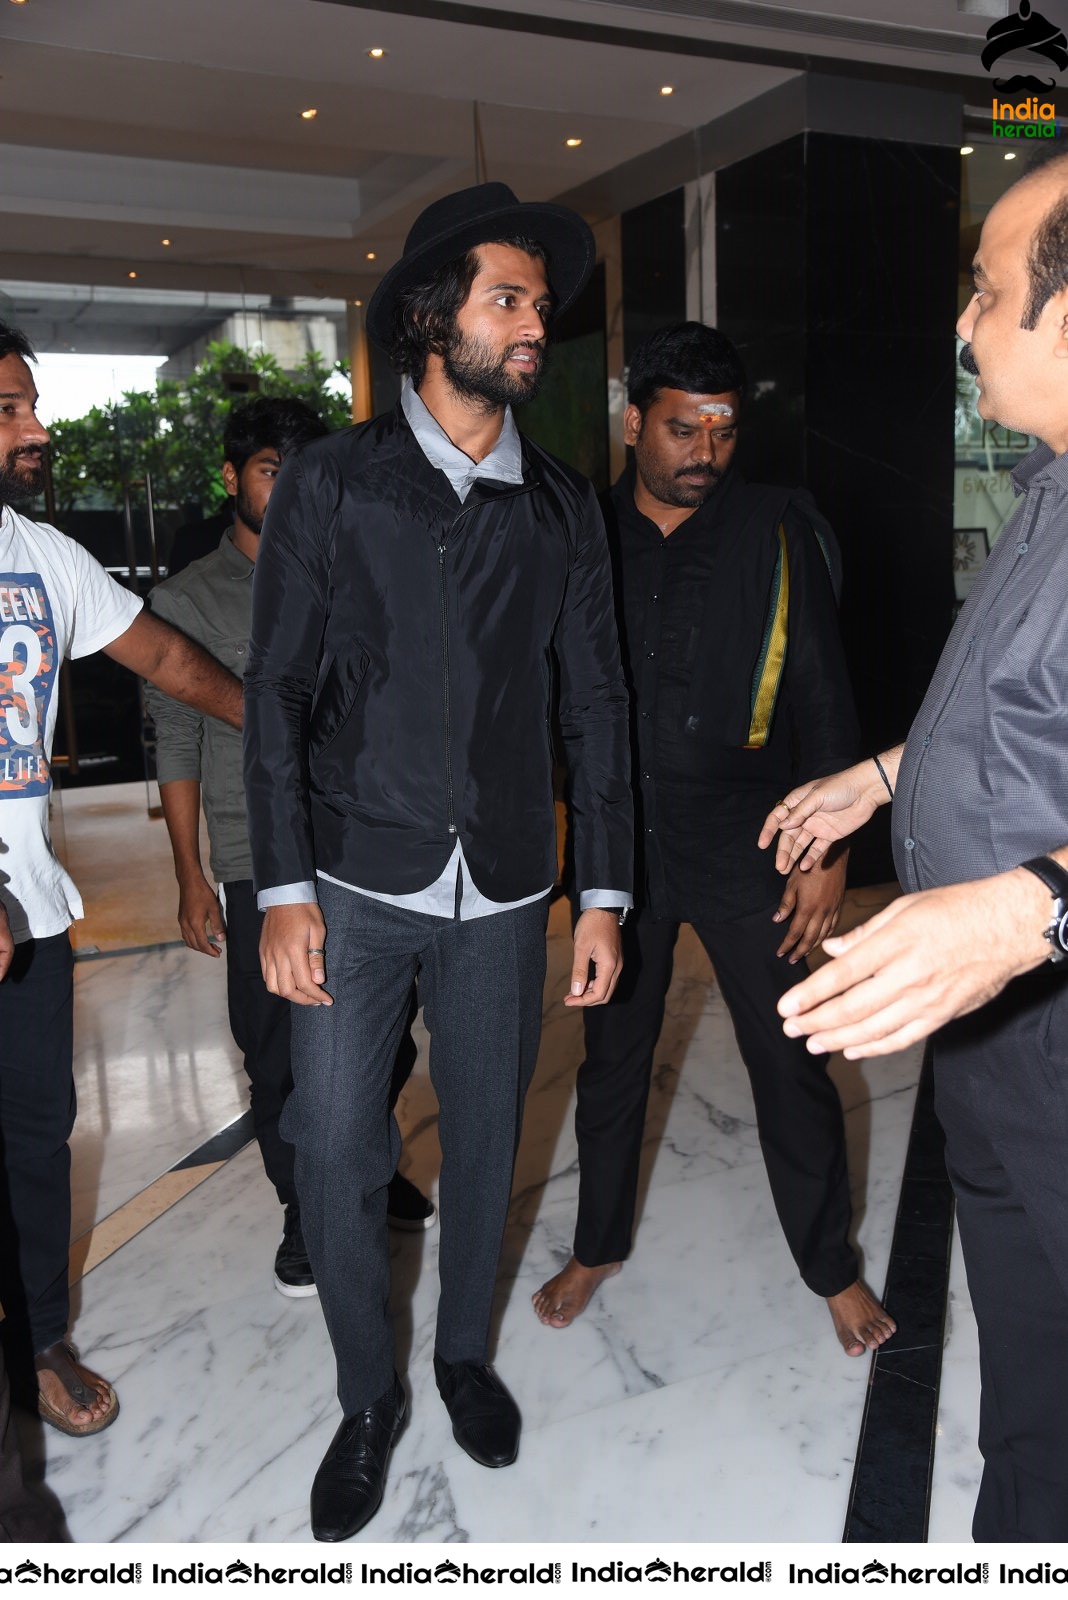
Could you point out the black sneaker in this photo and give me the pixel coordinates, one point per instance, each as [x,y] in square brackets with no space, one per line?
[293,1275]
[406,1209]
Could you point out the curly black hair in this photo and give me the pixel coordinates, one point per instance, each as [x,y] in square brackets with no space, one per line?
[267,423]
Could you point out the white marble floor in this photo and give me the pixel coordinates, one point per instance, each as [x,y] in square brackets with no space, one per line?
[702,1397]
[958,1465]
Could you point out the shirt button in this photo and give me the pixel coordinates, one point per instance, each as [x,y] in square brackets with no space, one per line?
[927,738]
[1021,548]
[648,830]
[645,774]
[645,715]
[910,844]
[655,598]
[650,654]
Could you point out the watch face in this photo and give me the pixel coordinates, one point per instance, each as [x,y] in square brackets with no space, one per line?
[1060,930]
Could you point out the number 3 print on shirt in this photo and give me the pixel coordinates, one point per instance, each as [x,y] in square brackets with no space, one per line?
[28,669]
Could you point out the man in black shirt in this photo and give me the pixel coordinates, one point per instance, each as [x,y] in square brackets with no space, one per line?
[726,606]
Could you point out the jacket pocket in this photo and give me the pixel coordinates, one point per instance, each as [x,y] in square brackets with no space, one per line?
[335,700]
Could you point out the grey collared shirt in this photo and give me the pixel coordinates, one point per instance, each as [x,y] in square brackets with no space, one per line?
[211,602]
[983,781]
[504,464]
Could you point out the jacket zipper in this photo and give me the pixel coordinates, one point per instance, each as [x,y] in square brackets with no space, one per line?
[524,488]
[445,671]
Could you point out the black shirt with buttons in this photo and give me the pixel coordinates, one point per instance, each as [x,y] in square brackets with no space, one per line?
[692,609]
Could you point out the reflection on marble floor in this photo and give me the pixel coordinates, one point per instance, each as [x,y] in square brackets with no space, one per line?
[702,1397]
[958,1465]
[156,1072]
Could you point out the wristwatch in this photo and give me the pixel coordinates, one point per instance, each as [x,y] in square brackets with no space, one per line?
[1055,877]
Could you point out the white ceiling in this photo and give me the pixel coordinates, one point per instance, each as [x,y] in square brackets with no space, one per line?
[126,121]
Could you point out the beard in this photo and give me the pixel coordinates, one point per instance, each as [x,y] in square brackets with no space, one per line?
[22,474]
[967,360]
[246,511]
[477,371]
[666,485]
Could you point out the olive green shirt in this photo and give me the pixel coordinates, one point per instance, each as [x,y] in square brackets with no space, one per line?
[211,602]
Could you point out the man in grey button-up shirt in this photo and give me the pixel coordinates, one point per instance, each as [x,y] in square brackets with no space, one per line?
[980,822]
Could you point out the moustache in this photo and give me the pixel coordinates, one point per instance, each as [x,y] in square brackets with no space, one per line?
[712,473]
[967,361]
[1023,82]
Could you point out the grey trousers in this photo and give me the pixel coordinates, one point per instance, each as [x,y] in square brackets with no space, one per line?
[481,985]
[1001,1094]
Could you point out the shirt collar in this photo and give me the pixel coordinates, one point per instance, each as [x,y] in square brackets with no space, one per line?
[504,464]
[1041,461]
[236,564]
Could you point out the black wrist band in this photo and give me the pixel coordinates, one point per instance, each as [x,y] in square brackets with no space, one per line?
[882,773]
[1055,877]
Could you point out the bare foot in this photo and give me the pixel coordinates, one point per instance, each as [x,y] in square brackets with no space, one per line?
[565,1297]
[860,1322]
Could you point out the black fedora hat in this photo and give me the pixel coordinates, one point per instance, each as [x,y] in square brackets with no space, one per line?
[457,222]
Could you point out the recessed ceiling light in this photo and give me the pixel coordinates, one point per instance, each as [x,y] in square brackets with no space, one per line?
[131,274]
[967,149]
[310,114]
[357,302]
[1010,155]
[377,53]
[667,88]
[572,144]
[165,241]
[371,255]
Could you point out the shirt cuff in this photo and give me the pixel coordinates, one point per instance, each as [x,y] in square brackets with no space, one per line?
[605,900]
[287,894]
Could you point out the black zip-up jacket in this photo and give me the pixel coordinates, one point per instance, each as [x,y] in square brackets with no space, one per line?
[398,681]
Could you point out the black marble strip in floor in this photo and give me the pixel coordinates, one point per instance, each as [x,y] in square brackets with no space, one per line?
[221,1146]
[91,953]
[890,1498]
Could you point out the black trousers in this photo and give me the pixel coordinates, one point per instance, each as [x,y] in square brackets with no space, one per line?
[37,1106]
[799,1115]
[24,1519]
[260,1024]
[1001,1093]
[482,984]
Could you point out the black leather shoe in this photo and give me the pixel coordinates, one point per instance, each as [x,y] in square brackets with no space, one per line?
[293,1274]
[485,1418]
[349,1484]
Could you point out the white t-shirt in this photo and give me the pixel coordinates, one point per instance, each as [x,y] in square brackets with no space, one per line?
[55,601]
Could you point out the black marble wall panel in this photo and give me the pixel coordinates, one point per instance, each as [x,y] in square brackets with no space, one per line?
[653,253]
[761,270]
[836,275]
[569,415]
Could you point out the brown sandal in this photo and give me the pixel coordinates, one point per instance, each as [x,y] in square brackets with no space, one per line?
[77,1380]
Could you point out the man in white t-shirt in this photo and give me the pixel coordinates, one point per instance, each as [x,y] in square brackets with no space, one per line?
[55,601]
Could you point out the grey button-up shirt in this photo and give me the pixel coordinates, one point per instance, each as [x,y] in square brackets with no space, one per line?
[211,602]
[983,781]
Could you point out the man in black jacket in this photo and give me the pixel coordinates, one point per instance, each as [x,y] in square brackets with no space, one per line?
[416,579]
[730,637]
